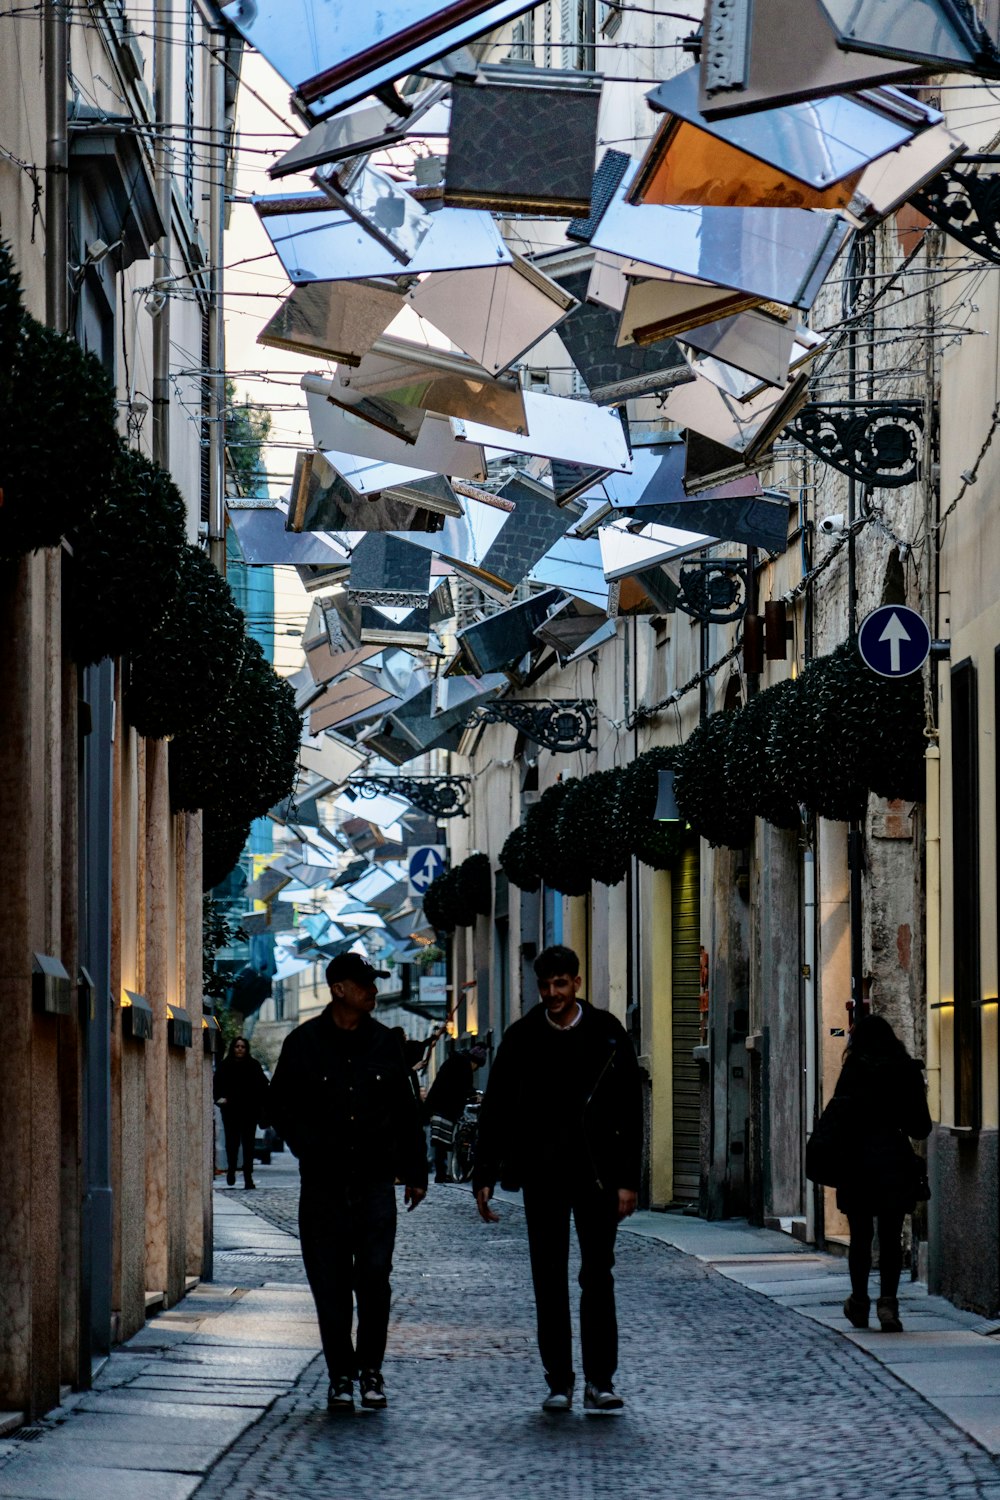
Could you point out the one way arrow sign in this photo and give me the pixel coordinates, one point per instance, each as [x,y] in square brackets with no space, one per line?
[894,641]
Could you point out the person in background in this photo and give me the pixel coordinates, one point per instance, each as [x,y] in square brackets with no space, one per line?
[562,1118]
[240,1090]
[342,1100]
[446,1098]
[886,1088]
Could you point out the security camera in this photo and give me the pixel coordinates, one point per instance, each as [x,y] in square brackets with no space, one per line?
[833,525]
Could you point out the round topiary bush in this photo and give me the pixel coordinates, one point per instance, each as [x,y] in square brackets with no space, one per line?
[438,903]
[188,662]
[845,731]
[223,843]
[551,846]
[58,434]
[703,794]
[516,860]
[589,828]
[126,560]
[655,844]
[460,895]
[244,756]
[749,775]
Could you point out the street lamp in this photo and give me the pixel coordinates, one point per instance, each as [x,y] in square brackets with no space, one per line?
[666,803]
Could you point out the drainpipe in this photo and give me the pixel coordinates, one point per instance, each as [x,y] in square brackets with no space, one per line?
[216,319]
[55,47]
[163,113]
[933,956]
[809,1005]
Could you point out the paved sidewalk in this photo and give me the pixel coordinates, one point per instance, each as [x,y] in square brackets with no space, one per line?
[952,1358]
[742,1380]
[171,1401]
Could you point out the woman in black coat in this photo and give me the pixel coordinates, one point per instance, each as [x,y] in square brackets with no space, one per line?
[889,1106]
[240,1091]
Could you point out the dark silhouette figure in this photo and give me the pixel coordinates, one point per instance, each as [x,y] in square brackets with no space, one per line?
[889,1106]
[240,1091]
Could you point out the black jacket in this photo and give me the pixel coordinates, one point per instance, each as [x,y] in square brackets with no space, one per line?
[605,1129]
[889,1107]
[451,1089]
[243,1085]
[342,1101]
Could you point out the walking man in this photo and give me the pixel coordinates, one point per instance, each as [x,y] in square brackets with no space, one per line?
[342,1100]
[562,1119]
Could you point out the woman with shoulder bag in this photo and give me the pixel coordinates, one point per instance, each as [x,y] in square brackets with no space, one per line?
[888,1102]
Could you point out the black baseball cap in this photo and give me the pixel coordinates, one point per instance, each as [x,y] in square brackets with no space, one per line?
[353,966]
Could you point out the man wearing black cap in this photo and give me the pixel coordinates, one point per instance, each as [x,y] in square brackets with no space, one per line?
[341,1098]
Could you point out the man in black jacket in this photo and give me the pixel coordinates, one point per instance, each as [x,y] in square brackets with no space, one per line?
[562,1119]
[342,1100]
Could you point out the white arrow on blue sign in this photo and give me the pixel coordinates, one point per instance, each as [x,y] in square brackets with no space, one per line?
[894,640]
[426,864]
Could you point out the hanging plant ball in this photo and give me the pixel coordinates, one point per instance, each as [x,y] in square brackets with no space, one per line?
[243,757]
[516,860]
[552,847]
[751,779]
[438,905]
[589,827]
[187,664]
[846,731]
[223,843]
[58,435]
[127,560]
[655,844]
[703,795]
[473,889]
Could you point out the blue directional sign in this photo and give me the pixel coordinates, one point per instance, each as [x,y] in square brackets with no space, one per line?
[894,640]
[426,864]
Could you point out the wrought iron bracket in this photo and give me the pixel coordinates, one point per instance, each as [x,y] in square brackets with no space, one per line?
[561,725]
[965,203]
[878,443]
[714,592]
[437,796]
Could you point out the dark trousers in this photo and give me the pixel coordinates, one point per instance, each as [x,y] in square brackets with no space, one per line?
[347,1233]
[548,1208]
[890,1249]
[239,1131]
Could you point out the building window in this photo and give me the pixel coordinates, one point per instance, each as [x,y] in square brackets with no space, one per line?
[189,51]
[523,40]
[965,893]
[577,26]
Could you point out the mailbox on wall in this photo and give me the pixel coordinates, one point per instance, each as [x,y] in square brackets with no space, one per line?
[137,1017]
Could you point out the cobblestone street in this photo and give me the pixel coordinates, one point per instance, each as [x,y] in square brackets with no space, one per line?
[728,1393]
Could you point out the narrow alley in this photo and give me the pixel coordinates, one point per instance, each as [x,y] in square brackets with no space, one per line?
[729,1392]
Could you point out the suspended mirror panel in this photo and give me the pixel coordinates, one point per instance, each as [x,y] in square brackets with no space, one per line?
[264,541]
[436,450]
[332,320]
[334,52]
[777,254]
[536,524]
[524,145]
[756,342]
[322,499]
[450,385]
[656,309]
[380,204]
[317,243]
[494,314]
[370,126]
[559,427]
[742,69]
[943,35]
[797,156]
[748,426]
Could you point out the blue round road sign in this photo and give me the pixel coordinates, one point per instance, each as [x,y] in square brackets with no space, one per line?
[426,864]
[894,640]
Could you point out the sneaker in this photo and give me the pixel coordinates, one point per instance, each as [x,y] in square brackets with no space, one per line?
[340,1396]
[372,1390]
[559,1398]
[601,1399]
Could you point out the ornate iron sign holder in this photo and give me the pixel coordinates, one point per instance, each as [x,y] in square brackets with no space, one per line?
[714,592]
[965,203]
[437,796]
[877,443]
[561,725]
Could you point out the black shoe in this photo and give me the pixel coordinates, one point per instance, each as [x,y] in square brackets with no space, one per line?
[444,1177]
[601,1398]
[372,1390]
[230,1179]
[340,1396]
[856,1311]
[248,1185]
